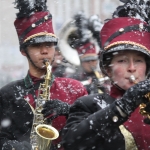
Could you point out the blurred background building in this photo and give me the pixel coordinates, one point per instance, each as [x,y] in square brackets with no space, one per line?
[13,65]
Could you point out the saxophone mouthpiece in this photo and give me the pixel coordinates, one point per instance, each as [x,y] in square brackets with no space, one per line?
[45,60]
[132,79]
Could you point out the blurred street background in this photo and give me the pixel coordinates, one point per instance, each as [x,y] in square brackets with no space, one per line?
[13,65]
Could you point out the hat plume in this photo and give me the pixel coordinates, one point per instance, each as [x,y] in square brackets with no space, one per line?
[28,7]
[139,9]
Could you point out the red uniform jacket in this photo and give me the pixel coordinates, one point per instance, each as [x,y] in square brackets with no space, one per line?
[64,89]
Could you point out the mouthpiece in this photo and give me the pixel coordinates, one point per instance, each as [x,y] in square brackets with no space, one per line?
[132,79]
[45,60]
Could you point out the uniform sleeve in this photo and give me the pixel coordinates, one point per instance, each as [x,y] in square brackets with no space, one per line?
[81,90]
[4,136]
[87,122]
[15,118]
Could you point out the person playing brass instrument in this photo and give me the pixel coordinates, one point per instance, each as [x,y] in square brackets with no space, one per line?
[86,44]
[113,121]
[18,99]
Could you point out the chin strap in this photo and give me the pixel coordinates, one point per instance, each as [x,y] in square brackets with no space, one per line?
[26,51]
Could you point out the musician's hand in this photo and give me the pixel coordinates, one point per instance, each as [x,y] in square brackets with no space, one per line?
[147,109]
[13,144]
[133,97]
[54,108]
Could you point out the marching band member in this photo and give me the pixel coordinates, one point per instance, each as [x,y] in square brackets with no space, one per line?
[89,64]
[113,121]
[17,99]
[88,49]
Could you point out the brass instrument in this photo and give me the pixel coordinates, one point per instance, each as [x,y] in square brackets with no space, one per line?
[41,133]
[101,79]
[142,105]
[67,35]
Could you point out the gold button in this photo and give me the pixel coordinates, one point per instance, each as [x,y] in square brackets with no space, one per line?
[115,119]
[46,17]
[121,29]
[33,25]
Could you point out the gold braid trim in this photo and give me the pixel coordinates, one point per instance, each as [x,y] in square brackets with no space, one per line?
[126,42]
[129,140]
[38,34]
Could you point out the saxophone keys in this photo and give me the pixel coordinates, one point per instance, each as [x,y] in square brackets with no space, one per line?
[142,109]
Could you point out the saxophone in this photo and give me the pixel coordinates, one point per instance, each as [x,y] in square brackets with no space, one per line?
[41,133]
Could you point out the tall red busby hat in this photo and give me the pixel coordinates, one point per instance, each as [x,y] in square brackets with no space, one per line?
[128,30]
[33,23]
[87,52]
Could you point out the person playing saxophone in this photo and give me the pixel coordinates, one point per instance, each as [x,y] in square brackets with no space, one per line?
[18,99]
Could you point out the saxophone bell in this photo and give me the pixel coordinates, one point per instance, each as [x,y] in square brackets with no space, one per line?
[46,133]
